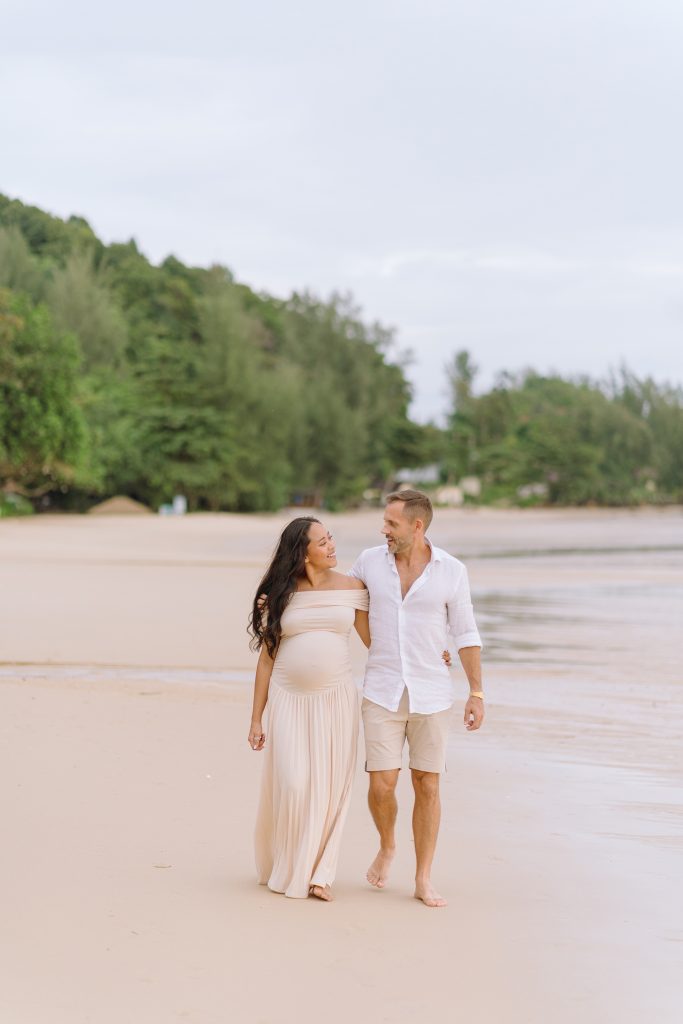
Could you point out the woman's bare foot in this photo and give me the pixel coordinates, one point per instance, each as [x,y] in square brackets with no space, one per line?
[321,892]
[426,892]
[378,872]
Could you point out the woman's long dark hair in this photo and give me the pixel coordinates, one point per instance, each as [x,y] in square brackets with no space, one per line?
[278,585]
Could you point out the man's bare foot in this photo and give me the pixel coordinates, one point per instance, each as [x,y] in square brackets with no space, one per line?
[321,892]
[378,872]
[426,892]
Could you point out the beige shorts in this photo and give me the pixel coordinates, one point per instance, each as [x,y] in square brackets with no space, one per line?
[386,733]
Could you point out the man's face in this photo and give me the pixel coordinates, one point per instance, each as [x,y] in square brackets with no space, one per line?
[397,528]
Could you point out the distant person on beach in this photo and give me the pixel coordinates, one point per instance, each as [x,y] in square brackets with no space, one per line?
[418,594]
[301,622]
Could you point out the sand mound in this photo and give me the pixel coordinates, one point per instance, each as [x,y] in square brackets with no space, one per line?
[120,505]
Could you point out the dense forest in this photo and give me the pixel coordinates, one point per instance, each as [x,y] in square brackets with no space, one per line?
[121,377]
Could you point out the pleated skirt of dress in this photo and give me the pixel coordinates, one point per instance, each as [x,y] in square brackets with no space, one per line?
[310,761]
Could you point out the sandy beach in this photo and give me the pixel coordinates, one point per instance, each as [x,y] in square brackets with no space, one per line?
[128,790]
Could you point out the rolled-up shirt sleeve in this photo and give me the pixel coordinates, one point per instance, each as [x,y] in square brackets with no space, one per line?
[357,569]
[461,623]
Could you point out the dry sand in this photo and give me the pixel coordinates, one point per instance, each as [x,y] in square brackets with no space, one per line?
[128,789]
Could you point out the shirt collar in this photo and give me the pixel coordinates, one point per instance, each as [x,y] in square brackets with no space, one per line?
[436,552]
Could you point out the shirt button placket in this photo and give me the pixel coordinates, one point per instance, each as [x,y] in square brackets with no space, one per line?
[404,681]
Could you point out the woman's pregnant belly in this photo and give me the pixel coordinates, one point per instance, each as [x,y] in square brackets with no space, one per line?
[312,661]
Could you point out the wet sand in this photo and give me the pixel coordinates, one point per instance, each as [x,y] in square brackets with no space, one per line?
[128,790]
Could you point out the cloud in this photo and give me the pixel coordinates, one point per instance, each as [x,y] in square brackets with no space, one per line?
[504,178]
[509,261]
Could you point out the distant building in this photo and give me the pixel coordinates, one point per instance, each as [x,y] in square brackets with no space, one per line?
[427,476]
[471,486]
[538,490]
[449,495]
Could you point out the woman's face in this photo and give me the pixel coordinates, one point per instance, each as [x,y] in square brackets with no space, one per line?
[321,548]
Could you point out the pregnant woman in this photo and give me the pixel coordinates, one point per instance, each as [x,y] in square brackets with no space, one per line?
[301,623]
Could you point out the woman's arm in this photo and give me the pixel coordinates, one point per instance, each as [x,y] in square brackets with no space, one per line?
[264,668]
[362,624]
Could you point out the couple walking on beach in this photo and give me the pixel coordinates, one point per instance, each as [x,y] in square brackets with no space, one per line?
[404,598]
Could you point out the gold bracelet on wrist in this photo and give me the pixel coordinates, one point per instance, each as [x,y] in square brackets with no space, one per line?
[477,693]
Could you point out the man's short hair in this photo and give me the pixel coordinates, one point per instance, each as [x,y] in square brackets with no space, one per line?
[416,505]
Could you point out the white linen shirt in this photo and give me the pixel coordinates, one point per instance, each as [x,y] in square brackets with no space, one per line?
[409,635]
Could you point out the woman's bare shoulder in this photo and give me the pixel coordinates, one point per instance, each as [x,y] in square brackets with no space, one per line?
[344,582]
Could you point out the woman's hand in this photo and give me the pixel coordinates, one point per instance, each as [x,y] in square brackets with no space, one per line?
[447,658]
[257,737]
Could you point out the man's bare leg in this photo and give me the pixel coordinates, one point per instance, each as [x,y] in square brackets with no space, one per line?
[426,819]
[383,807]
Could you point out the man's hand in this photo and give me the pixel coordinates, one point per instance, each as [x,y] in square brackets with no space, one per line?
[474,713]
[446,657]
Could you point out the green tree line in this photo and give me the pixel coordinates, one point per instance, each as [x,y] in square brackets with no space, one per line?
[119,376]
[573,442]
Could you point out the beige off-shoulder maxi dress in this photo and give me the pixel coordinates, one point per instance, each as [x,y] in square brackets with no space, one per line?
[311,741]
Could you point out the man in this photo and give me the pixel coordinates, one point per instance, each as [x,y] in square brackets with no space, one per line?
[418,594]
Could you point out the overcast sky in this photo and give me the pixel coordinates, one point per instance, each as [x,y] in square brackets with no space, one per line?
[503,177]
